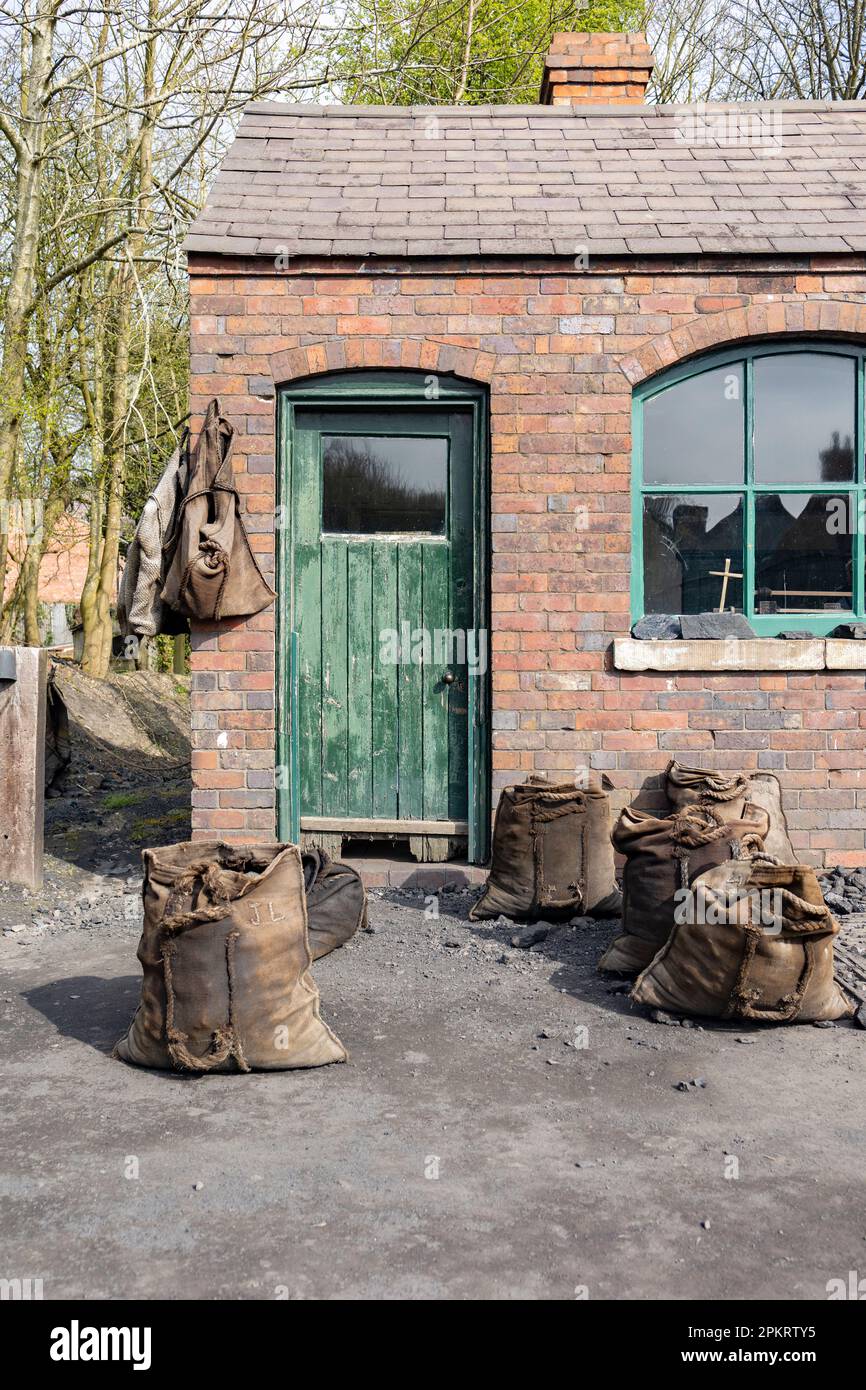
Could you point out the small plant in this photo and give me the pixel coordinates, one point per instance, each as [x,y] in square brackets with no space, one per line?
[141,829]
[116,801]
[165,654]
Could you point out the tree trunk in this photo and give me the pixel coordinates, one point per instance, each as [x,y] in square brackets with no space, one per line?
[97,652]
[28,145]
[24,599]
[97,621]
[30,575]
[87,603]
[11,612]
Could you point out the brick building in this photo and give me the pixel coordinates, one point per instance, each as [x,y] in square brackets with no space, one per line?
[528,374]
[62,571]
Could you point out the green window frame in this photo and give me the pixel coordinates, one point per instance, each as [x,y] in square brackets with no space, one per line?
[765,624]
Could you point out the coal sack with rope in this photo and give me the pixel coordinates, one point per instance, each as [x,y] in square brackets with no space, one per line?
[755,943]
[225,954]
[663,855]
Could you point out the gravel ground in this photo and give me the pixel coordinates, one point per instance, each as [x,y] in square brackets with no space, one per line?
[507,1126]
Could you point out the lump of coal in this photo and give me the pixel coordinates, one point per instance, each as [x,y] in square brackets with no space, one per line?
[658,627]
[713,626]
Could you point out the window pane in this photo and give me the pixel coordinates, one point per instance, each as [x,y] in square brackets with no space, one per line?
[804,418]
[693,432]
[374,484]
[690,539]
[802,553]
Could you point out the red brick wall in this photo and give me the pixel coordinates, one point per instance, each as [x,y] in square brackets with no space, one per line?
[561,352]
[64,565]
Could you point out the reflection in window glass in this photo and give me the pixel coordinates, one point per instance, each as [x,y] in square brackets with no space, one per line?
[690,539]
[375,484]
[804,418]
[693,432]
[802,553]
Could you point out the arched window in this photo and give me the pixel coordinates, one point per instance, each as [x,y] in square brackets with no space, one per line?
[749,487]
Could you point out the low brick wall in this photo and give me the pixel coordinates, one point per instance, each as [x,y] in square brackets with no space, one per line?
[561,351]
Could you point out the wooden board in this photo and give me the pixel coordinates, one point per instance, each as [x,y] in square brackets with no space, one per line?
[351,825]
[335,680]
[412,616]
[359,801]
[383,741]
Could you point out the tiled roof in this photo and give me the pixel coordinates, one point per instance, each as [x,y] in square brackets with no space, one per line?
[537,180]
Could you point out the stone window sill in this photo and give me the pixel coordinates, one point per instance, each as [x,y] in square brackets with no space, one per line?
[733,654]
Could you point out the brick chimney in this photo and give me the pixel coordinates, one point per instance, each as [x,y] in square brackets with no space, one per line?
[596,70]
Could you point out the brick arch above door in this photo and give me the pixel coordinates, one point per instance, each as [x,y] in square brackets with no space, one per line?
[378,353]
[834,318]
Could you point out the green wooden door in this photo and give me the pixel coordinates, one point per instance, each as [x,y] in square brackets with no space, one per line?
[382,605]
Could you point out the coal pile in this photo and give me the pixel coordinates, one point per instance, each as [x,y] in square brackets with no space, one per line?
[844,890]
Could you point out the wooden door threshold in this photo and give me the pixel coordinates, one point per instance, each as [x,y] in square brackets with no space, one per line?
[353,825]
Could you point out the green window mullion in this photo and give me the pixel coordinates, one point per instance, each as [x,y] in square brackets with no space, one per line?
[858,499]
[749,499]
[637,496]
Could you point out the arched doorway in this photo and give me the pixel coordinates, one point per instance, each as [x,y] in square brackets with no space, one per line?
[384,637]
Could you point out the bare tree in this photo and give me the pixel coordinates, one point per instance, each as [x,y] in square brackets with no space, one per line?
[758,50]
[26,131]
[809,50]
[133,103]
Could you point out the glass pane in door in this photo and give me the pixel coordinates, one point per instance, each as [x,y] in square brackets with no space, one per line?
[372,484]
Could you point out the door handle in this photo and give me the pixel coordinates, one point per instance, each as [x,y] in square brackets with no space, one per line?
[447,677]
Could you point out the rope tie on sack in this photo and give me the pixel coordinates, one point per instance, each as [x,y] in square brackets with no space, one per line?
[760,857]
[818,912]
[697,825]
[225,1042]
[742,1002]
[742,999]
[182,921]
[681,855]
[217,888]
[213,556]
[213,883]
[716,788]
[751,846]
